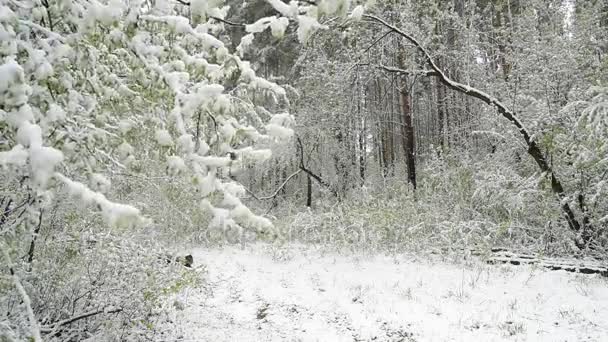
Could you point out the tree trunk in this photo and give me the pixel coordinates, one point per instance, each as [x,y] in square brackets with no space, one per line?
[362,151]
[409,145]
[308,191]
[408,135]
[441,115]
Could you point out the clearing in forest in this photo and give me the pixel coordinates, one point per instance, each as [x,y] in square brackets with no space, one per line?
[265,293]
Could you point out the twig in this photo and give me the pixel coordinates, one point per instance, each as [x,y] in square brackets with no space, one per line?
[52,329]
[228,22]
[377,40]
[408,72]
[44,30]
[197,143]
[6,211]
[274,194]
[46,5]
[310,173]
[231,23]
[30,252]
[24,296]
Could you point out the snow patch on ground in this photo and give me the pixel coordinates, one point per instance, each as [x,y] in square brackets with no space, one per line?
[263,293]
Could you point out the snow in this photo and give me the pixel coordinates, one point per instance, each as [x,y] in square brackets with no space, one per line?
[6,14]
[43,161]
[288,10]
[283,119]
[115,214]
[100,183]
[295,293]
[124,150]
[175,165]
[202,7]
[125,126]
[262,83]
[106,14]
[278,27]
[256,156]
[13,91]
[176,23]
[279,126]
[245,43]
[163,137]
[212,161]
[279,132]
[334,6]
[357,13]
[29,134]
[207,185]
[199,97]
[259,26]
[306,27]
[186,143]
[55,113]
[221,218]
[234,189]
[16,156]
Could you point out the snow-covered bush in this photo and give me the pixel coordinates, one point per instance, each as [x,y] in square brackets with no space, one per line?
[583,155]
[459,203]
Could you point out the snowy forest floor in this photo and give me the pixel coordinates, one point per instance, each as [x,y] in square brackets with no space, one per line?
[263,293]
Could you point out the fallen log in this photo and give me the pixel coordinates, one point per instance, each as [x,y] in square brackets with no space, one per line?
[571,265]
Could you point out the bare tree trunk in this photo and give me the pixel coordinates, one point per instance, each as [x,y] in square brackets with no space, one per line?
[362,151]
[441,115]
[308,191]
[408,127]
[408,134]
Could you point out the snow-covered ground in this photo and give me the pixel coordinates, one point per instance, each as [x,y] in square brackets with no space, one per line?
[265,294]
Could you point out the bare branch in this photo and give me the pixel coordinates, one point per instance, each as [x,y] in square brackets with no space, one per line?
[408,72]
[310,173]
[227,22]
[52,329]
[276,192]
[377,40]
[35,329]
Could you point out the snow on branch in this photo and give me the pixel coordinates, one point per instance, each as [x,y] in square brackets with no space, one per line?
[533,149]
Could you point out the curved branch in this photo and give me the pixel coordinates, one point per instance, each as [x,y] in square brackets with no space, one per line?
[274,194]
[533,149]
[463,88]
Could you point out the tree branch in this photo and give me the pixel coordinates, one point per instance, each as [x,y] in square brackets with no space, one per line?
[227,22]
[533,149]
[407,72]
[30,252]
[274,194]
[53,328]
[310,173]
[35,329]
